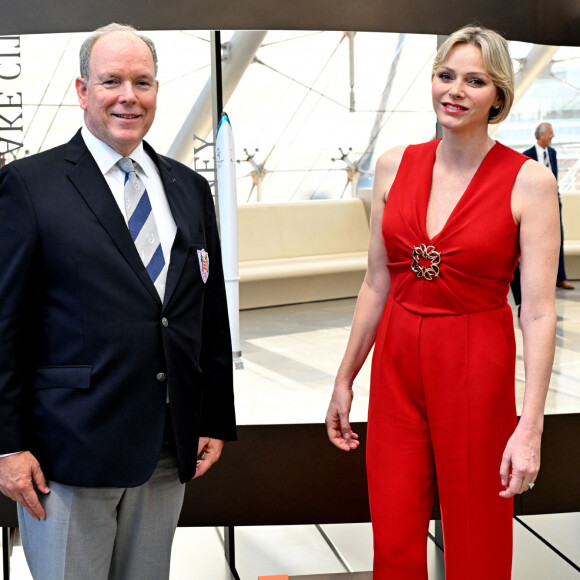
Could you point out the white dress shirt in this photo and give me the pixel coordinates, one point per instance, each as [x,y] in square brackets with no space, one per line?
[106,158]
[540,155]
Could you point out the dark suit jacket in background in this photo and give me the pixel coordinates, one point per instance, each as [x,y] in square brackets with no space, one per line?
[531,152]
[85,339]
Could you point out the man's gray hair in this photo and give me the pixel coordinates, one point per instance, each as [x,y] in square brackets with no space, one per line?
[541,129]
[87,46]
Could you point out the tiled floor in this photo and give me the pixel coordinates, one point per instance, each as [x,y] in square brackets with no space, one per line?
[290,356]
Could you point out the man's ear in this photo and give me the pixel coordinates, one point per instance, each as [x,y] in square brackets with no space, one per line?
[82,92]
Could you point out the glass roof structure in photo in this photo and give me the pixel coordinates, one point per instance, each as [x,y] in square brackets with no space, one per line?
[312,111]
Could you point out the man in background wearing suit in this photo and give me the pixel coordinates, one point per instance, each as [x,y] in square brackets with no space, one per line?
[545,154]
[115,358]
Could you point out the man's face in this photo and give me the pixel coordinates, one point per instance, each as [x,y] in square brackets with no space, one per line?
[120,97]
[546,137]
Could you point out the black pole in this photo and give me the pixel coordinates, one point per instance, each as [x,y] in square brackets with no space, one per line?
[441,38]
[217,100]
[217,57]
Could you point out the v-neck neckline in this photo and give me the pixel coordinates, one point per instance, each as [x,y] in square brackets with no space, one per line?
[460,201]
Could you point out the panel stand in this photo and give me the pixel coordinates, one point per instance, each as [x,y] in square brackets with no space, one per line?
[8,535]
[230,550]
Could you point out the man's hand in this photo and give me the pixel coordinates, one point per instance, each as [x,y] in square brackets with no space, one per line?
[208,451]
[18,473]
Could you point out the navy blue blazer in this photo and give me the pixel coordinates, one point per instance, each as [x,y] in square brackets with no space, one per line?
[531,152]
[87,347]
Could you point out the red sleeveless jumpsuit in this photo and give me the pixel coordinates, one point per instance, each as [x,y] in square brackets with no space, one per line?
[442,402]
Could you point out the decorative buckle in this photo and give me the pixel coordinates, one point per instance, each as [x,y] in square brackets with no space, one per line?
[428,253]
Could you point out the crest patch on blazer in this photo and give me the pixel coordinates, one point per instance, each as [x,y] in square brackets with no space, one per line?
[203,258]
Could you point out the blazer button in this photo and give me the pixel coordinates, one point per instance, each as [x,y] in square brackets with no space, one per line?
[161,377]
[165,322]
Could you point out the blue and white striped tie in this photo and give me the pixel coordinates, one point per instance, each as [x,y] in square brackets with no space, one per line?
[142,225]
[546,159]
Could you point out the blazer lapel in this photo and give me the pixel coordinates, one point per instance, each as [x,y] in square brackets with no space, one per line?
[90,183]
[553,161]
[176,196]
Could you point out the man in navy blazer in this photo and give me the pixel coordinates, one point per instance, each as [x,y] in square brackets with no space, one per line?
[111,385]
[545,154]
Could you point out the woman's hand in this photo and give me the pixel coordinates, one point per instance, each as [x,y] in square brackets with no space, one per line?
[337,424]
[520,461]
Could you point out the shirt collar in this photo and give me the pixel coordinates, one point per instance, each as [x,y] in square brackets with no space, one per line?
[106,157]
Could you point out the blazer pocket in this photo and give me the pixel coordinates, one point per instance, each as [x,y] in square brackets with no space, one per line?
[73,377]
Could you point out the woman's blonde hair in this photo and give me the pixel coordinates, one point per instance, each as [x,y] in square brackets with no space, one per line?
[496,58]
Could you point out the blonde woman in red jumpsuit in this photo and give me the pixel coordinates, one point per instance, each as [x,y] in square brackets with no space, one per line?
[449,221]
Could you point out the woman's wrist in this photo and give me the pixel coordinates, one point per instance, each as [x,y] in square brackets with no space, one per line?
[532,424]
[343,385]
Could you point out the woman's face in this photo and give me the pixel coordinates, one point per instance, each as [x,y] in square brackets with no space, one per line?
[462,90]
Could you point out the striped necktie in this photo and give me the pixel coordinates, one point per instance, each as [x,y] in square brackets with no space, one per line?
[546,159]
[142,226]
